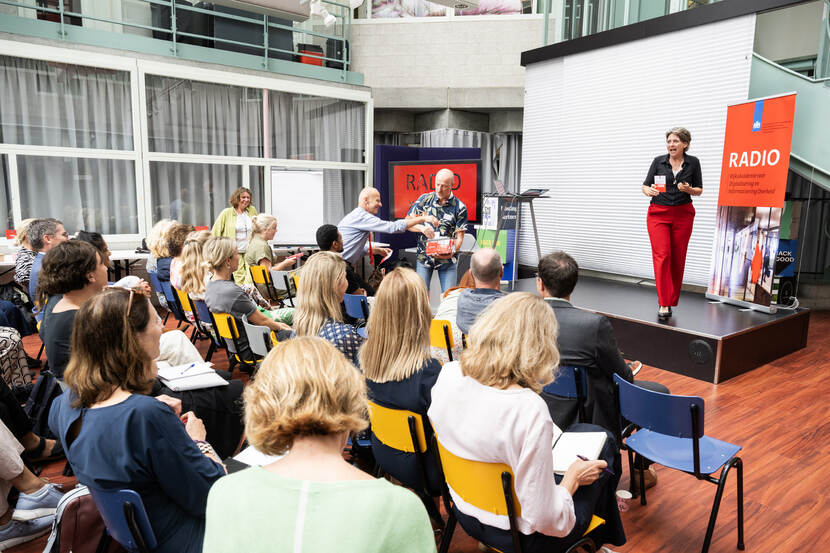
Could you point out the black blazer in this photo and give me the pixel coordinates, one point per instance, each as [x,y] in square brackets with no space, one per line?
[587,340]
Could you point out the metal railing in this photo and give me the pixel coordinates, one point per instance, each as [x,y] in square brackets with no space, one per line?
[68,19]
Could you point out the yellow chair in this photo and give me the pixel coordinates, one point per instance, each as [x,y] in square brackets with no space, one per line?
[440,335]
[296,276]
[489,486]
[226,327]
[262,277]
[200,331]
[401,430]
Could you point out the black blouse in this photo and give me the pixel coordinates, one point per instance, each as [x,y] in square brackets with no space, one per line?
[689,172]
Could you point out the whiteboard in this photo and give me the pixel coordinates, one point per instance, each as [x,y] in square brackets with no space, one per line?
[297,201]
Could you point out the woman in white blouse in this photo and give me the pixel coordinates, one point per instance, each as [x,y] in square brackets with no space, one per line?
[486,407]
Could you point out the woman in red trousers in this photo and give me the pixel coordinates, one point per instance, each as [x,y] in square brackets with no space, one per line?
[671,182]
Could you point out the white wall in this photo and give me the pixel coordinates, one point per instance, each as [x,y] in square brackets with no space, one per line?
[594,121]
[432,54]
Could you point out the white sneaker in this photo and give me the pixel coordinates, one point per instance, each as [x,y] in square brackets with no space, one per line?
[16,532]
[39,504]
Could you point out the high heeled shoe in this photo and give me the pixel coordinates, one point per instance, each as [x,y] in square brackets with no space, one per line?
[663,315]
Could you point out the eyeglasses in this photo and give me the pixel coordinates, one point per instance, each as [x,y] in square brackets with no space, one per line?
[129,301]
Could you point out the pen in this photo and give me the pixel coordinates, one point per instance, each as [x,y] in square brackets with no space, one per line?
[188,368]
[606,469]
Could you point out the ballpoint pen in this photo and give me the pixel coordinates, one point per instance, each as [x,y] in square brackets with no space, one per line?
[606,469]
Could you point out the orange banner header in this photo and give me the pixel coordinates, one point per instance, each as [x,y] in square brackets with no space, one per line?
[756,152]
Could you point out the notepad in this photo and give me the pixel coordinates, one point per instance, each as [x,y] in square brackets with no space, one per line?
[253,457]
[567,445]
[193,376]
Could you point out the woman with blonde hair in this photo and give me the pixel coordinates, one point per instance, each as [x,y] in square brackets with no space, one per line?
[193,273]
[236,222]
[25,255]
[157,242]
[399,370]
[223,295]
[303,404]
[259,251]
[487,407]
[322,286]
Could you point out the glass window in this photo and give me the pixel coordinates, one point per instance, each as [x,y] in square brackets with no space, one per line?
[196,193]
[86,194]
[58,104]
[6,217]
[316,128]
[192,117]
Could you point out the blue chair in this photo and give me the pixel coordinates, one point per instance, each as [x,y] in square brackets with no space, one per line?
[125,518]
[357,306]
[173,303]
[204,315]
[156,282]
[571,382]
[671,434]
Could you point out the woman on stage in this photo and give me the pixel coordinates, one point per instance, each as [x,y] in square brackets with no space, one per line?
[671,182]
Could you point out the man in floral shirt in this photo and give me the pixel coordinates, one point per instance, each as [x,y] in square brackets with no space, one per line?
[452,223]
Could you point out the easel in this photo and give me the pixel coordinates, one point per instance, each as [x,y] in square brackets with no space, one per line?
[516,200]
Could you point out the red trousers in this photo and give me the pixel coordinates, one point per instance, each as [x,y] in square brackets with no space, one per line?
[669,229]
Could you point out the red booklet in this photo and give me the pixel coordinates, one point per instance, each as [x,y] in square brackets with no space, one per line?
[660,182]
[439,246]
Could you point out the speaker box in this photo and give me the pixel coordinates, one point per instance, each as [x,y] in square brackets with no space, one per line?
[335,49]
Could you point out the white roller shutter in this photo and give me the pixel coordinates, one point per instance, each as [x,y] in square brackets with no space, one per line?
[594,121]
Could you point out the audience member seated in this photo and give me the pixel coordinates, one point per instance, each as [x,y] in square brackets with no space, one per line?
[25,255]
[118,437]
[586,339]
[193,273]
[168,268]
[35,510]
[223,295]
[487,270]
[157,245]
[259,252]
[486,407]
[319,295]
[329,239]
[43,235]
[448,311]
[399,371]
[13,364]
[303,404]
[73,273]
[37,449]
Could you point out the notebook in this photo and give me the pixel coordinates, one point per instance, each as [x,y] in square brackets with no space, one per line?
[567,445]
[193,376]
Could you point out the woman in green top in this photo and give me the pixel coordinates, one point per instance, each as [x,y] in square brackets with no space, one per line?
[305,400]
[259,251]
[237,222]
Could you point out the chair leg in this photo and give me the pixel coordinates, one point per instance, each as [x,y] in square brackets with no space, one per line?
[193,336]
[166,315]
[585,543]
[449,528]
[739,466]
[432,510]
[40,351]
[211,349]
[710,528]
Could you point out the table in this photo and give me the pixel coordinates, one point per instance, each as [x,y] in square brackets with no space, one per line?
[7,263]
[128,257]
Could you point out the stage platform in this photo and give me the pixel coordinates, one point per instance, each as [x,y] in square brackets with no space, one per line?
[704,340]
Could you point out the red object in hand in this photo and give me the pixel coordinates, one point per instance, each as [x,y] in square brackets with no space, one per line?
[439,246]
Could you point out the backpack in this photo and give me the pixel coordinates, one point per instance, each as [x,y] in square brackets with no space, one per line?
[78,527]
[44,392]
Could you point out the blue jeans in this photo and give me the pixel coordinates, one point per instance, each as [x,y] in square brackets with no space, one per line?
[447,273]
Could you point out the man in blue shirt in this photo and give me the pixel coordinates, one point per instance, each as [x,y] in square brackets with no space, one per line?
[362,220]
[487,271]
[43,235]
[452,216]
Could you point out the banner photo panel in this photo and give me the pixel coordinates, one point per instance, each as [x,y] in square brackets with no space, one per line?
[410,179]
[756,152]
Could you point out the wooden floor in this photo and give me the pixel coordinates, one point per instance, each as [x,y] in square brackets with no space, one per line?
[778,413]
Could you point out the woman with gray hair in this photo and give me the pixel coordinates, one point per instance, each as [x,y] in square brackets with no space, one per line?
[672,180]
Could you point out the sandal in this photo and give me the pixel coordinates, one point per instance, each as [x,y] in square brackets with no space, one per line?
[36,455]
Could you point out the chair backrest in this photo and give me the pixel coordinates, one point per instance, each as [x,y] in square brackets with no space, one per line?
[678,416]
[357,306]
[438,337]
[569,382]
[391,427]
[296,276]
[184,300]
[172,301]
[156,282]
[478,483]
[225,325]
[260,274]
[259,337]
[283,277]
[125,518]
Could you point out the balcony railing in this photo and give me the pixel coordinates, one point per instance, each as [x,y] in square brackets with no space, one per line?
[191,31]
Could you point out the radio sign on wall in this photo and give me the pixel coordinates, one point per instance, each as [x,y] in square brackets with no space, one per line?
[411,179]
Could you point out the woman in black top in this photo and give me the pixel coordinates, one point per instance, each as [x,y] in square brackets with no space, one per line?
[671,182]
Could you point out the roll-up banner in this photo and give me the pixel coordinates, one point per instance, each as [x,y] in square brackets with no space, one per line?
[756,158]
